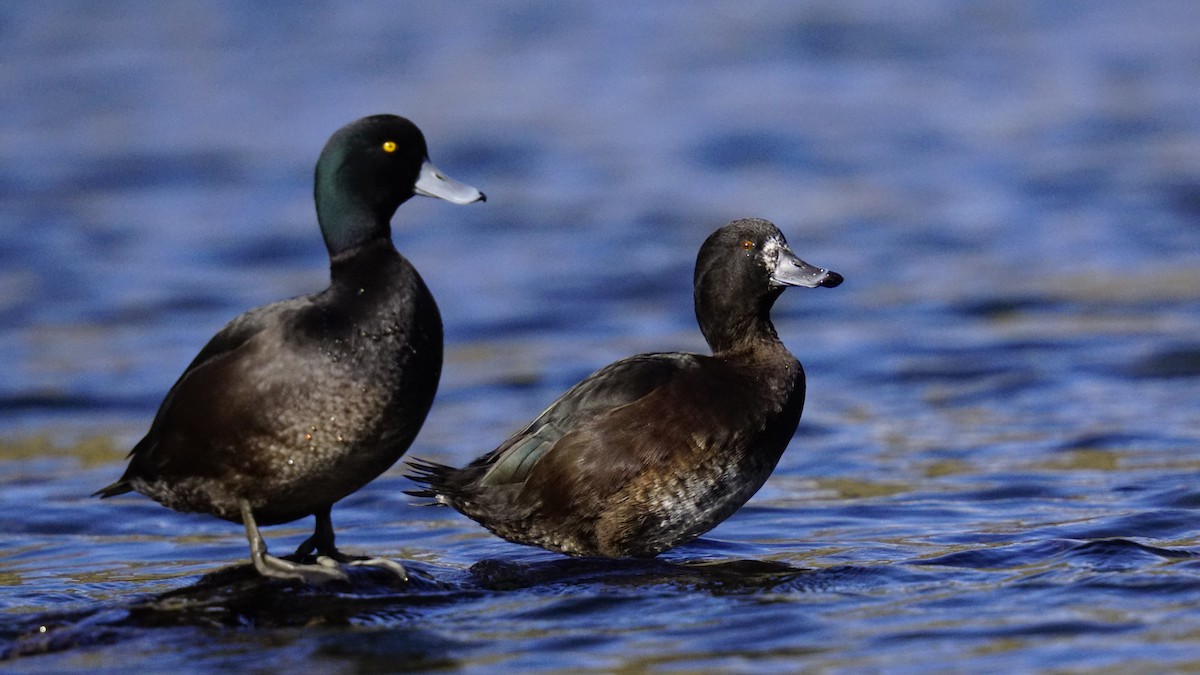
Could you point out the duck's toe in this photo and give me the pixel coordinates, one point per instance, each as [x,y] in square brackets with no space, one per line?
[323,571]
[385,564]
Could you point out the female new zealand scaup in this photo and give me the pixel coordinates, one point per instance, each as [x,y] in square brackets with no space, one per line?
[297,404]
[654,450]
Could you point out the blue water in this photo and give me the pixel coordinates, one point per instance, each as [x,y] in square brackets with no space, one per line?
[999,464]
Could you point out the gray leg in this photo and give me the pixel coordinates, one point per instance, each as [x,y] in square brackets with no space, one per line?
[277,568]
[322,543]
[321,540]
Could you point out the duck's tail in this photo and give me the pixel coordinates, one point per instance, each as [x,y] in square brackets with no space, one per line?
[433,478]
[118,488]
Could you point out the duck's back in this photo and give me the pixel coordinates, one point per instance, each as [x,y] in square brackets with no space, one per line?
[297,404]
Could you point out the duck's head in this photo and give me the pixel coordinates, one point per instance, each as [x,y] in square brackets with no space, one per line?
[740,271]
[367,170]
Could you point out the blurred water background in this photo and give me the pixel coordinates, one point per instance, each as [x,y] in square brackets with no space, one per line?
[999,464]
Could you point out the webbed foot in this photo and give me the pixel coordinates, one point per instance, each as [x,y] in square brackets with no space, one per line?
[386,564]
[322,544]
[323,571]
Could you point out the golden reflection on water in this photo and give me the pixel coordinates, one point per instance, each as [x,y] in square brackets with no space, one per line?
[91,451]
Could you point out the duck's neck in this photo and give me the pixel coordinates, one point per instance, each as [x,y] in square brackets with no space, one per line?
[363,263]
[346,232]
[732,327]
[349,219]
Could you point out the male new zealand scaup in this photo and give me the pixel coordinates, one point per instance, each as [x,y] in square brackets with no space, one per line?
[297,404]
[654,450]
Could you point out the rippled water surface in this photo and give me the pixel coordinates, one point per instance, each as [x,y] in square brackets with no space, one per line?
[999,464]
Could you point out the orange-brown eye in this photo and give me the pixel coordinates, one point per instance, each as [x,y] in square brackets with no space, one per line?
[747,244]
[389,146]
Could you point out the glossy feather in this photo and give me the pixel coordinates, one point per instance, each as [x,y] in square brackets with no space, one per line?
[297,404]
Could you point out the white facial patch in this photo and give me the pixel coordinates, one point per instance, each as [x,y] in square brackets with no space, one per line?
[770,251]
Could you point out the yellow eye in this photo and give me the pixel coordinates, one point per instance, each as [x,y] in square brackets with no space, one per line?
[747,244]
[389,146]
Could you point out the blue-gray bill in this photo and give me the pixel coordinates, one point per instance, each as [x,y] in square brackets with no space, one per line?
[792,271]
[431,182]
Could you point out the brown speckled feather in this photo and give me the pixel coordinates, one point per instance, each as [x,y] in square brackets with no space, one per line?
[654,450]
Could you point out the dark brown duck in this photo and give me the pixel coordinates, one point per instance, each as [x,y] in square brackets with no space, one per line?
[654,450]
[297,404]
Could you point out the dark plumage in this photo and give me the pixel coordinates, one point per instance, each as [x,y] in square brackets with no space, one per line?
[654,450]
[297,404]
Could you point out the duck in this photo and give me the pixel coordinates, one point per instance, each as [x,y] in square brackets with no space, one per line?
[654,450]
[297,404]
